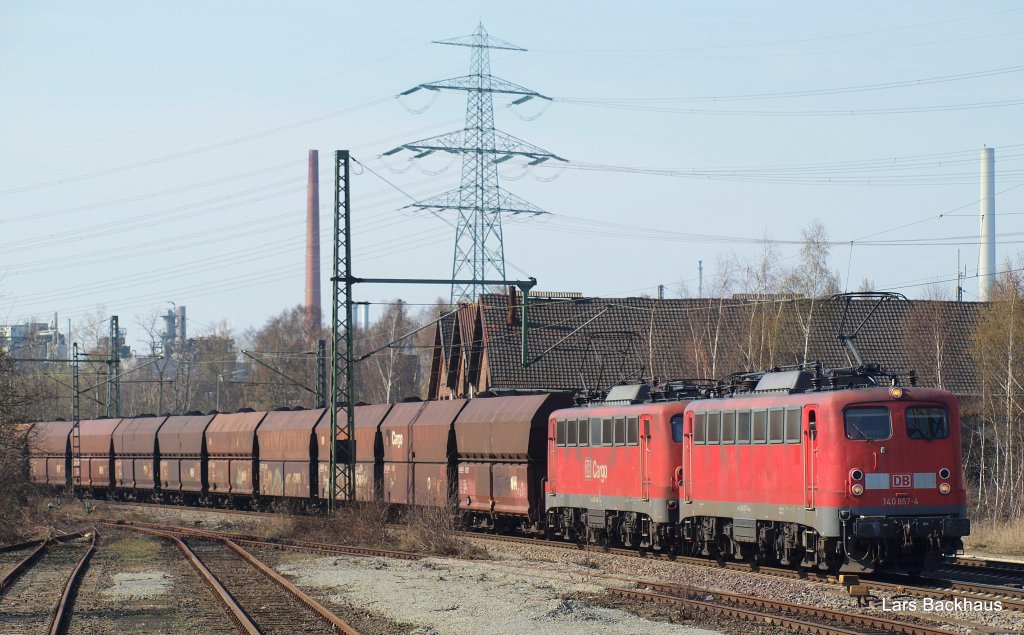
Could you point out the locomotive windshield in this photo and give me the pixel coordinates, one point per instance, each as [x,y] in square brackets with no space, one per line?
[927,423]
[871,423]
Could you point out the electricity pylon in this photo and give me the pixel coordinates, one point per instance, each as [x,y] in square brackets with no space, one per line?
[479,201]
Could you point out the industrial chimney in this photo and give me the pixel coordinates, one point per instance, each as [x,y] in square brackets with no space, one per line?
[987,211]
[313,247]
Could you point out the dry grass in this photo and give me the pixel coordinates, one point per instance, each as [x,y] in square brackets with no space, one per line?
[997,537]
[435,530]
[280,526]
[363,526]
[134,549]
[424,530]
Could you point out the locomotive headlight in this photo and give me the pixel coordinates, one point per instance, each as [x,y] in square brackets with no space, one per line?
[895,392]
[857,489]
[944,473]
[856,474]
[944,488]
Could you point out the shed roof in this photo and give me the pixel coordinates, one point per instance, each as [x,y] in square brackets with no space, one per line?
[593,343]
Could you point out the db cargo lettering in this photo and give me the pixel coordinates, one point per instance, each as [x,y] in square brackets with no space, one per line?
[592,470]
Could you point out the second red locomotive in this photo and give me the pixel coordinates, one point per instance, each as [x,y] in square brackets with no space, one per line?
[793,469]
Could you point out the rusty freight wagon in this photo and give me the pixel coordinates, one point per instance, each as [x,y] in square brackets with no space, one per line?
[137,457]
[182,441]
[287,450]
[233,452]
[502,458]
[367,447]
[49,452]
[433,453]
[396,441]
[96,475]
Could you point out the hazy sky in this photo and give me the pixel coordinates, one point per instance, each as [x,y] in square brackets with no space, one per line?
[154,153]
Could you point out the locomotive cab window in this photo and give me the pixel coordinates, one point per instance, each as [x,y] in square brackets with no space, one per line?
[583,436]
[869,423]
[776,425]
[560,432]
[595,431]
[620,431]
[699,428]
[792,425]
[632,431]
[677,428]
[714,428]
[606,432]
[743,426]
[760,426]
[570,433]
[927,423]
[729,427]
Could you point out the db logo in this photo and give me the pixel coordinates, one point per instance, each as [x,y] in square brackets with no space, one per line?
[902,481]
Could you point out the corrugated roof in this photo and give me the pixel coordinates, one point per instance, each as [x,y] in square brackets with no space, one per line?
[593,343]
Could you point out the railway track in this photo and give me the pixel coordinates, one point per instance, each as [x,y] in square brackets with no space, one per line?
[795,617]
[257,598]
[306,546]
[939,589]
[803,619]
[253,592]
[38,591]
[993,566]
[995,573]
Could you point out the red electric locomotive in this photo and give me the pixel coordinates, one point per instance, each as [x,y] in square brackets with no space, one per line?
[856,479]
[818,469]
[612,471]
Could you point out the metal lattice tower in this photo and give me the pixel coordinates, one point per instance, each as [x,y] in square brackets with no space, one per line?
[479,201]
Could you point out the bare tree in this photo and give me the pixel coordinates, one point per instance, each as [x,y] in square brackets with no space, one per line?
[812,278]
[392,371]
[17,399]
[282,363]
[999,355]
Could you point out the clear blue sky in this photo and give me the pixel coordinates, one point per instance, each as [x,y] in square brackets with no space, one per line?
[154,153]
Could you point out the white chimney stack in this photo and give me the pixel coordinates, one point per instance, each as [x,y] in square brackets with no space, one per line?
[987,210]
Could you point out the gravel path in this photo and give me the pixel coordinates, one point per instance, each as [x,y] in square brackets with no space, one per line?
[441,596]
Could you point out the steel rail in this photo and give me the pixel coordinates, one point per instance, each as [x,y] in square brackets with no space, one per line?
[843,617]
[339,624]
[283,544]
[738,613]
[1010,597]
[28,544]
[24,564]
[20,546]
[974,593]
[237,614]
[1001,566]
[67,597]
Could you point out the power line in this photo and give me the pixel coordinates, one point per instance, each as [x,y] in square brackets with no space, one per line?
[812,92]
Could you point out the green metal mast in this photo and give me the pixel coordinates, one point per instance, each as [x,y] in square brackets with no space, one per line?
[343,456]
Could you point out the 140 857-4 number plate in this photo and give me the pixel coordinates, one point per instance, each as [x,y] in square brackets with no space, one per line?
[900,500]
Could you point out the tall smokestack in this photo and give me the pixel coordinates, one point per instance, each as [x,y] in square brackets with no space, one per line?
[313,246]
[987,257]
